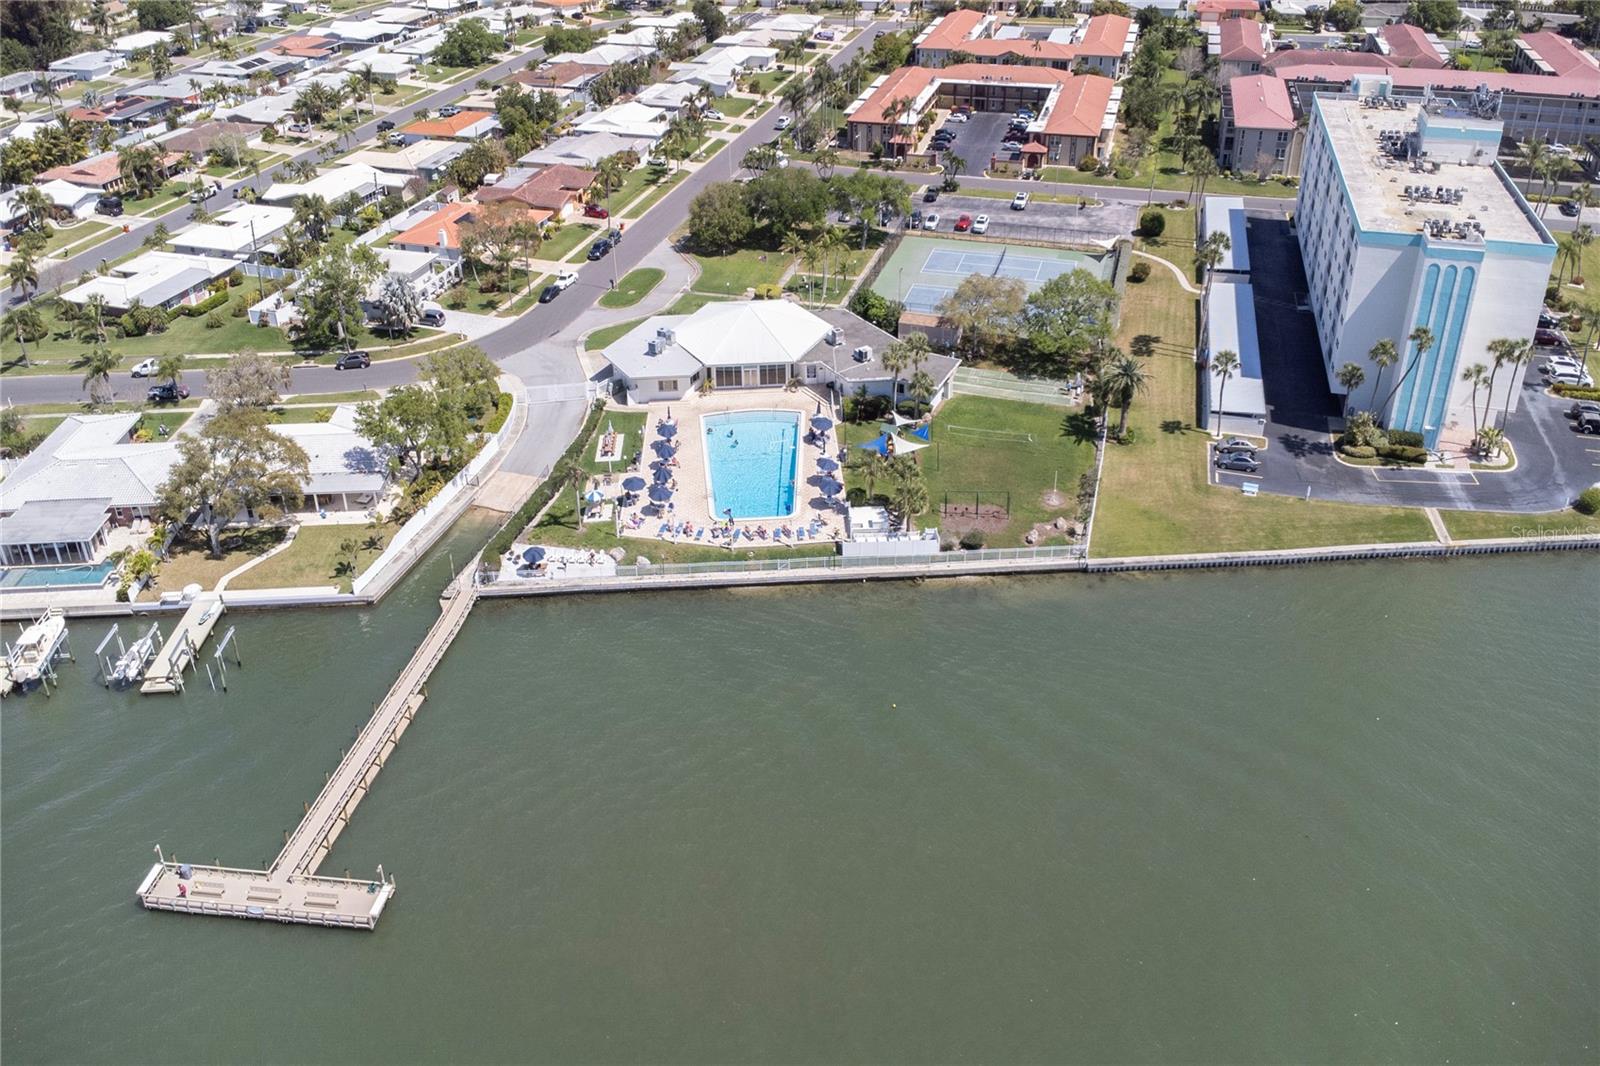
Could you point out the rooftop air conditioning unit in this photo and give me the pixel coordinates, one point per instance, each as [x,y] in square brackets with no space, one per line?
[666,335]
[862,354]
[654,347]
[834,337]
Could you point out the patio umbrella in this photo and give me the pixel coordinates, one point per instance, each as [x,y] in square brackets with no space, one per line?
[633,484]
[533,556]
[594,496]
[660,493]
[831,487]
[663,475]
[827,464]
[822,423]
[666,429]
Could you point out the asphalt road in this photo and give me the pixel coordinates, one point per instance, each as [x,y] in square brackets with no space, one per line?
[523,339]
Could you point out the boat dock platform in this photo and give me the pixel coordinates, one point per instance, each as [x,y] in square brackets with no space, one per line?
[289,890]
[182,650]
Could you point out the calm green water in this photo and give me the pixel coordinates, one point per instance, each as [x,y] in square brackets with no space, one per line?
[691,828]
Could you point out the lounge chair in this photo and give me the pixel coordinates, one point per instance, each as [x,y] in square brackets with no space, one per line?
[700,533]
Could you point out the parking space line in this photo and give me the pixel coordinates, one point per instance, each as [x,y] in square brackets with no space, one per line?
[1465,477]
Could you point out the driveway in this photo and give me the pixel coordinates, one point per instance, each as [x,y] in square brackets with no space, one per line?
[1303,417]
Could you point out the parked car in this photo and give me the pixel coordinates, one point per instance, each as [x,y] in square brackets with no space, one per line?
[299,127]
[1549,338]
[432,316]
[144,369]
[204,193]
[1559,364]
[108,205]
[1571,209]
[449,111]
[599,249]
[1583,407]
[1560,149]
[1573,376]
[825,35]
[550,292]
[1549,320]
[1588,422]
[353,361]
[915,221]
[385,125]
[1240,462]
[394,139]
[167,392]
[784,122]
[613,235]
[1234,445]
[980,224]
[1019,202]
[931,195]
[930,220]
[958,116]
[963,223]
[566,279]
[595,211]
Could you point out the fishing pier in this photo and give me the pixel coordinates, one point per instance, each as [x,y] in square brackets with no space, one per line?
[290,890]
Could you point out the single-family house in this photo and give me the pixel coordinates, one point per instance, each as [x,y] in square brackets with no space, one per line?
[632,120]
[441,231]
[423,159]
[239,233]
[557,188]
[462,126]
[100,172]
[24,84]
[156,279]
[588,149]
[364,182]
[314,49]
[128,45]
[90,66]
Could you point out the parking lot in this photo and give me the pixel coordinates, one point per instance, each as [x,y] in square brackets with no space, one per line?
[1554,461]
[978,138]
[1042,221]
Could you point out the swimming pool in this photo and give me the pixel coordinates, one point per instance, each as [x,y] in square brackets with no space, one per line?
[751,458]
[27,577]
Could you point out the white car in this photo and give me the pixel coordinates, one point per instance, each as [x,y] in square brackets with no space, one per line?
[145,369]
[1556,364]
[930,220]
[565,280]
[1572,376]
[958,116]
[1560,149]
[980,224]
[780,160]
[784,122]
[1019,202]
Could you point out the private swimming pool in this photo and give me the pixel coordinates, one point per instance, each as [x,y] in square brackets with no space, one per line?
[80,575]
[751,459]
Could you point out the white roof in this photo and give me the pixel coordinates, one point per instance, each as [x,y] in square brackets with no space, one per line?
[630,353]
[380,61]
[265,110]
[665,95]
[230,232]
[67,195]
[1231,325]
[609,55]
[362,29]
[133,42]
[631,119]
[410,159]
[1225,215]
[341,460]
[89,61]
[586,148]
[85,458]
[24,130]
[154,278]
[335,184]
[789,23]
[669,21]
[421,45]
[744,332]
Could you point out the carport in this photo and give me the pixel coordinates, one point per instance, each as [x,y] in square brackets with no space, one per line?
[1241,400]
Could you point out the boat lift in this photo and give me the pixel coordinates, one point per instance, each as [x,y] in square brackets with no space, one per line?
[131,661]
[31,660]
[228,639]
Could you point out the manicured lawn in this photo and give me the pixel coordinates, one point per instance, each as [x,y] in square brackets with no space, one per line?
[1170,179]
[769,81]
[566,239]
[189,562]
[690,302]
[635,285]
[603,336]
[1156,498]
[653,197]
[338,397]
[314,559]
[628,423]
[634,185]
[731,275]
[1003,450]
[814,289]
[1176,243]
[300,414]
[527,299]
[734,105]
[60,237]
[1488,525]
[158,202]
[1041,197]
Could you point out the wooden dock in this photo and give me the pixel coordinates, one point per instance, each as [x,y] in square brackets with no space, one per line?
[289,890]
[182,650]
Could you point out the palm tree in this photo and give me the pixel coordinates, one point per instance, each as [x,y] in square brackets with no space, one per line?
[1477,375]
[1383,355]
[870,466]
[97,368]
[1519,354]
[1531,155]
[1422,338]
[895,358]
[26,321]
[1351,377]
[315,214]
[827,159]
[567,473]
[1225,364]
[1493,441]
[22,273]
[170,367]
[908,492]
[921,389]
[36,204]
[1581,238]
[1208,257]
[92,319]
[609,175]
[1121,380]
[1550,174]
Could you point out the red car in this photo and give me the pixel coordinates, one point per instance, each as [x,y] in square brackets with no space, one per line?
[963,223]
[595,211]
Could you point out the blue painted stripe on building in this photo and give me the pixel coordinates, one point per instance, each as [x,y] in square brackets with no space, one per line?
[1424,376]
[1433,421]
[1430,283]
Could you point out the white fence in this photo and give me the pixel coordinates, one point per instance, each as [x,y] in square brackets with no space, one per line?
[409,540]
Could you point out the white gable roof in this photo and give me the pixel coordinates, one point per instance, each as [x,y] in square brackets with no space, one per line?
[744,332]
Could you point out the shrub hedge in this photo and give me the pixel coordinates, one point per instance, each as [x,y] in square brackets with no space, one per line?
[1588,501]
[1576,392]
[501,542]
[1401,453]
[1139,272]
[502,411]
[206,306]
[1405,438]
[1358,451]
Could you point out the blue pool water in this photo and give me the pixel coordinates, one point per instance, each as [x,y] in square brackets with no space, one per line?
[55,576]
[752,457]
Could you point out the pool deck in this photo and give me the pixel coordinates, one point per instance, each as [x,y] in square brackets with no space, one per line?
[692,502]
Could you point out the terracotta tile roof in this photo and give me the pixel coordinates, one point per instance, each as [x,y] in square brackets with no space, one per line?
[1564,56]
[1241,41]
[453,219]
[1226,7]
[1279,61]
[1079,112]
[557,74]
[1575,84]
[1261,102]
[1105,35]
[97,171]
[953,30]
[304,45]
[1409,46]
[445,127]
[554,187]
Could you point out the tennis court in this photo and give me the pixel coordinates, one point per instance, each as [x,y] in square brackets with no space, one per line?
[923,270]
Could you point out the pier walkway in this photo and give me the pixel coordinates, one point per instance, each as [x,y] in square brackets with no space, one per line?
[289,890]
[182,650]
